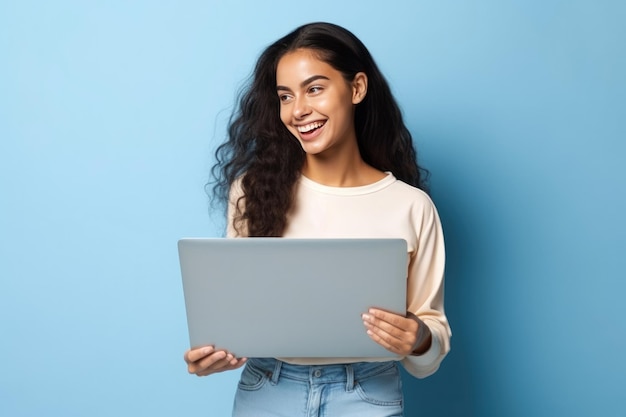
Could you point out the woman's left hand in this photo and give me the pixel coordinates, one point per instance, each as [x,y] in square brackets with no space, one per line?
[396,333]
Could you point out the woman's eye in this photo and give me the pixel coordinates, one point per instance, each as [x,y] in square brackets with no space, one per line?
[315,89]
[284,97]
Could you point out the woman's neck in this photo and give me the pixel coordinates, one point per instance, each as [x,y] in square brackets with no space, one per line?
[340,172]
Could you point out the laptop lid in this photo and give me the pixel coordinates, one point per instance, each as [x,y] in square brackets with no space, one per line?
[282,297]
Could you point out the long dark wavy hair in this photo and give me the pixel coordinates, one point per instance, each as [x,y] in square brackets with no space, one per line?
[267,157]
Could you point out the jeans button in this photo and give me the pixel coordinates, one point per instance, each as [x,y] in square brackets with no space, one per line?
[317,373]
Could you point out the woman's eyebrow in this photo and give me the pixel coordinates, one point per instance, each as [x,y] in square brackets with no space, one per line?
[303,83]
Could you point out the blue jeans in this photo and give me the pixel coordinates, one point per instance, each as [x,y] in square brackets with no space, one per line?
[269,387]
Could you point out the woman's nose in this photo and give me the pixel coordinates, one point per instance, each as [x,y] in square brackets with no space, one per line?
[301,108]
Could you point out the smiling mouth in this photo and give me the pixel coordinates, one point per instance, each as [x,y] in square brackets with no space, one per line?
[310,127]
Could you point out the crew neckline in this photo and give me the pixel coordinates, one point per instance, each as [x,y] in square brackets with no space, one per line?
[358,190]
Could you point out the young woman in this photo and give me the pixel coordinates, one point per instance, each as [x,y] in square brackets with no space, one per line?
[318,148]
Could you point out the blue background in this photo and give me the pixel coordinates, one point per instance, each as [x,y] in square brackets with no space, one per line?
[110,112]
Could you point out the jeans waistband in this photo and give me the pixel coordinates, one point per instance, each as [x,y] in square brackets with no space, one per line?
[319,374]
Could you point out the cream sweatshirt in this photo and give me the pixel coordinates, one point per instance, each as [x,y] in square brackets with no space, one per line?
[388,208]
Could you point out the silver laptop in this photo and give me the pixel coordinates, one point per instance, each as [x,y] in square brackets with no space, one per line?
[280,297]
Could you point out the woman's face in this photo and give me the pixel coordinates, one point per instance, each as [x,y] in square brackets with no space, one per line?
[317,103]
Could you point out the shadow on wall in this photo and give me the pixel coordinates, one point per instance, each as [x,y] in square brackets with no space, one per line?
[450,391]
[454,389]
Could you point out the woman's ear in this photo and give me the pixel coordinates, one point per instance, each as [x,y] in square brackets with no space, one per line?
[359,87]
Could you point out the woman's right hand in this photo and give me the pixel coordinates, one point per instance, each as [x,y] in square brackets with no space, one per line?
[206,360]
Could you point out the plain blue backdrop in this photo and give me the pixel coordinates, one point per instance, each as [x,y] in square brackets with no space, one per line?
[110,112]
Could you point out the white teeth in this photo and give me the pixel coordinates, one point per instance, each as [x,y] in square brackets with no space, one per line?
[310,126]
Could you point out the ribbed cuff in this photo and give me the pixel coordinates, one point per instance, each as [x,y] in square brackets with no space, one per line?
[427,364]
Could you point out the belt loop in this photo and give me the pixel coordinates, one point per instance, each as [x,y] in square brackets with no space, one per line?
[276,373]
[349,378]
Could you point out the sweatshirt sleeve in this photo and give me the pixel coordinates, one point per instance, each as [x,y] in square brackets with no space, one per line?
[425,289]
[235,208]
